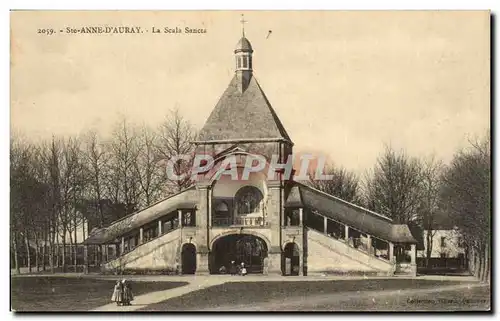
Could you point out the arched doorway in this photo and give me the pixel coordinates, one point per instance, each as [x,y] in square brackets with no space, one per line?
[291,259]
[249,249]
[188,255]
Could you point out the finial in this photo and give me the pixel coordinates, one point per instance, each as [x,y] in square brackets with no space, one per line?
[243,21]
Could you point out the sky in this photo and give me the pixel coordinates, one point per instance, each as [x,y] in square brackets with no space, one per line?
[343,83]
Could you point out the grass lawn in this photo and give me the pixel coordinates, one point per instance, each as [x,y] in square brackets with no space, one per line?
[260,293]
[71,293]
[474,299]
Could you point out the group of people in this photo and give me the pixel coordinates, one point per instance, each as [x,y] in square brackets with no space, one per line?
[234,269]
[122,293]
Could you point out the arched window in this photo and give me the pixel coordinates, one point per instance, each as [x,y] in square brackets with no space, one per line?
[248,200]
[245,62]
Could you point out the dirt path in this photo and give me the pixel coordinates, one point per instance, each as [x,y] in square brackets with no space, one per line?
[158,296]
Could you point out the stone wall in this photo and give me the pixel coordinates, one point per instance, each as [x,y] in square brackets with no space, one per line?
[325,254]
[161,253]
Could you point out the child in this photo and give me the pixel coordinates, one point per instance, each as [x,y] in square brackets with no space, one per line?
[117,293]
[127,293]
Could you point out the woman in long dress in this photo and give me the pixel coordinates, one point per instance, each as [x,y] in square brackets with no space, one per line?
[127,292]
[117,293]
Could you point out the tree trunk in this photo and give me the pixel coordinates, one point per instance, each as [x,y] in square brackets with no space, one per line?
[481,262]
[429,249]
[51,252]
[75,260]
[71,246]
[486,264]
[44,249]
[28,250]
[16,253]
[37,253]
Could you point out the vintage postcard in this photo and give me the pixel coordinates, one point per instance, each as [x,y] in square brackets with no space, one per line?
[250,161]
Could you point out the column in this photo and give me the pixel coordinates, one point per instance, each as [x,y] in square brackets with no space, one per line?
[413,255]
[369,243]
[141,235]
[104,251]
[209,207]
[202,263]
[391,253]
[122,250]
[274,261]
[85,259]
[159,228]
[346,237]
[301,215]
[325,224]
[179,213]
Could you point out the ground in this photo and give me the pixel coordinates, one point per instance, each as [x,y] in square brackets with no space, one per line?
[46,293]
[251,293]
[355,295]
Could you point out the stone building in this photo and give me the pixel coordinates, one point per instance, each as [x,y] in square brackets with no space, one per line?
[274,225]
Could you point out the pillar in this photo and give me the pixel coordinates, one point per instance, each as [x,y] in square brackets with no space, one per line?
[179,214]
[392,259]
[85,259]
[346,236]
[202,263]
[301,216]
[369,243]
[210,207]
[122,250]
[160,226]
[274,261]
[325,224]
[413,255]
[141,235]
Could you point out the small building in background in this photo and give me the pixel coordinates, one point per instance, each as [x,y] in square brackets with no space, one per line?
[448,249]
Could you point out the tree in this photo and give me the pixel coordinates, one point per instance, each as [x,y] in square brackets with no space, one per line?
[466,196]
[96,160]
[344,184]
[148,167]
[122,178]
[394,187]
[175,137]
[429,206]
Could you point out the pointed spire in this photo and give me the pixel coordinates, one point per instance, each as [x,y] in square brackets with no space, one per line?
[243,21]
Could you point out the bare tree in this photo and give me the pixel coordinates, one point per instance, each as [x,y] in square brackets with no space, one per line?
[394,187]
[429,206]
[122,181]
[175,137]
[96,159]
[344,184]
[466,196]
[148,167]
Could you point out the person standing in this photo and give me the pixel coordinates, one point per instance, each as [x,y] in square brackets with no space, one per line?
[127,292]
[117,295]
[243,270]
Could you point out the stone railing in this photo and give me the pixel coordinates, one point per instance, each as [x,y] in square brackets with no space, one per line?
[239,221]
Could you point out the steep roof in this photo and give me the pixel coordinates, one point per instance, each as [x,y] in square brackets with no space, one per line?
[243,112]
[355,216]
[182,200]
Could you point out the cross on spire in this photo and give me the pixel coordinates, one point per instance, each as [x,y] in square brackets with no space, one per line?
[243,21]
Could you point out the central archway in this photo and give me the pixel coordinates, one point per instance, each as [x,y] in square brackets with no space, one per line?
[246,248]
